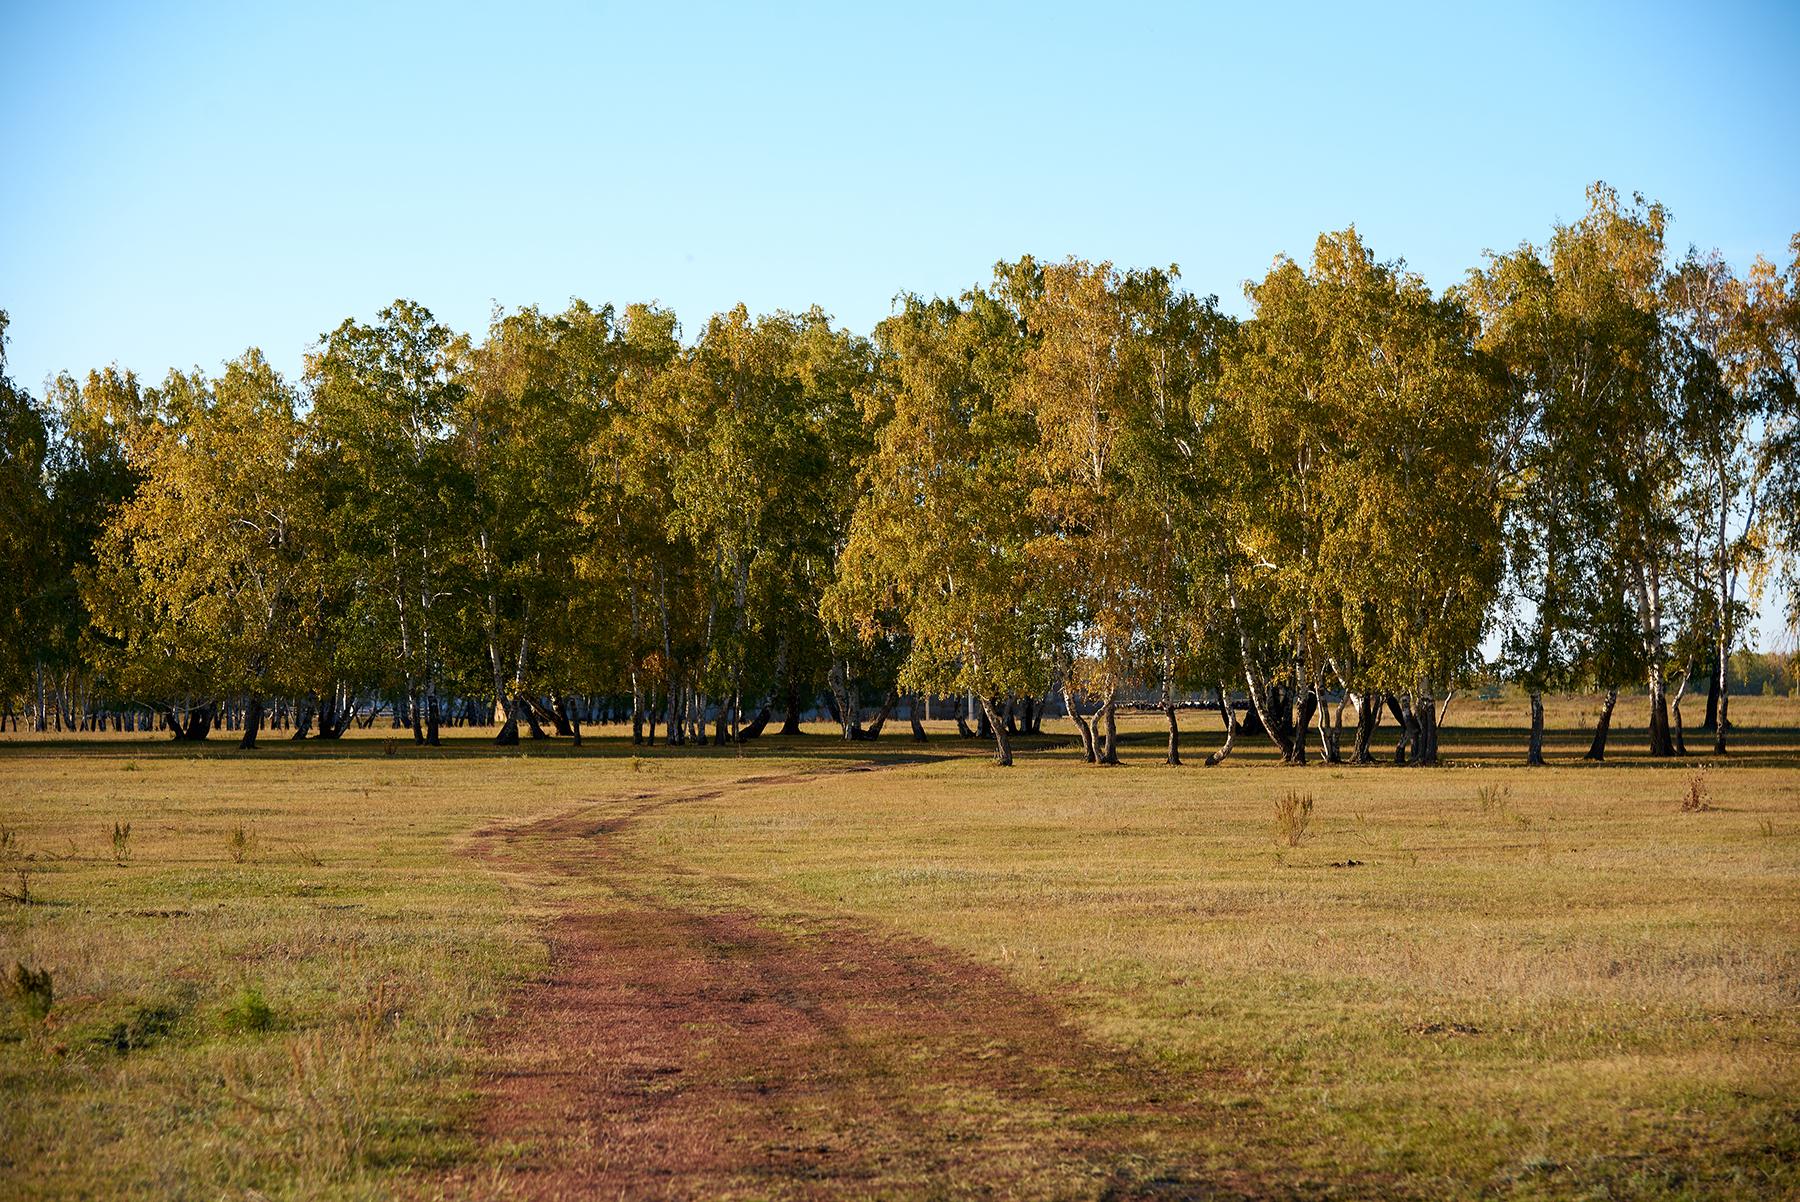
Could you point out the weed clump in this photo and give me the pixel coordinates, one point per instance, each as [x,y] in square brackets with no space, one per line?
[32,991]
[121,842]
[21,890]
[1293,814]
[1699,798]
[241,844]
[1494,799]
[248,1012]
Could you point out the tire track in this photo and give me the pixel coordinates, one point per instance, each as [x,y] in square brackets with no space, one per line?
[749,1051]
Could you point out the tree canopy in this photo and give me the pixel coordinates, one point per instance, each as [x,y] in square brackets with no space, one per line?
[1074,482]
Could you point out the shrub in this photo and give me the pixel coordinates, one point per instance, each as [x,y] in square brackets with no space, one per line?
[249,1011]
[32,991]
[1293,814]
[1698,799]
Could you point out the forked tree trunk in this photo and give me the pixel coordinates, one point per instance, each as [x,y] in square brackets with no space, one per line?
[1309,702]
[1597,749]
[508,734]
[1398,707]
[912,716]
[1002,743]
[1088,748]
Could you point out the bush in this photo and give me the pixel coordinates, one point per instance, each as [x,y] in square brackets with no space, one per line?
[249,1011]
[1293,814]
[32,991]
[1698,799]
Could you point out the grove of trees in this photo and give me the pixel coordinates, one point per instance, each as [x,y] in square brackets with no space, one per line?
[1077,485]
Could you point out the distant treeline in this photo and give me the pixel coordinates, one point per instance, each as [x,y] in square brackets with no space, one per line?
[1076,484]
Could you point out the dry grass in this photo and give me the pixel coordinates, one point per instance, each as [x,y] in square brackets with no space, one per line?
[1293,815]
[1555,991]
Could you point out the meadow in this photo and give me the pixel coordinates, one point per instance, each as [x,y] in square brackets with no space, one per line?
[333,971]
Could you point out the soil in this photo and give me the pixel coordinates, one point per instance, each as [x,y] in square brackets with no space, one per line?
[711,1051]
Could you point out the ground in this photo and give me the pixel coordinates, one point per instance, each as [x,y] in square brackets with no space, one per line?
[813,969]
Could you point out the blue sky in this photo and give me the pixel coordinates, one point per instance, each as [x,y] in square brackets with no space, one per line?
[186,180]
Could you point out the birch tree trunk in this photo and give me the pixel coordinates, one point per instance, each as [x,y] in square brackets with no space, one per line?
[1597,749]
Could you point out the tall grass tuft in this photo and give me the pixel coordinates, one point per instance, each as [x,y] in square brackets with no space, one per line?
[1699,798]
[1293,814]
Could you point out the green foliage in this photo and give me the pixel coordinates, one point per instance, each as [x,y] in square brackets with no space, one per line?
[248,1013]
[1076,475]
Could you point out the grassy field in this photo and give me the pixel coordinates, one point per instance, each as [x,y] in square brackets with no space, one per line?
[1478,979]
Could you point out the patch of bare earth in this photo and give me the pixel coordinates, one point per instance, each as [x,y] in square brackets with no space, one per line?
[699,1053]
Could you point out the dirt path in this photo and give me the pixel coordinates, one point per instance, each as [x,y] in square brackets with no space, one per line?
[673,1052]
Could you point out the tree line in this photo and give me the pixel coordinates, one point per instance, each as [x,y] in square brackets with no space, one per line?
[1076,485]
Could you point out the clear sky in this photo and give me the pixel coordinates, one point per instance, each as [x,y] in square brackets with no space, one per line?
[182,181]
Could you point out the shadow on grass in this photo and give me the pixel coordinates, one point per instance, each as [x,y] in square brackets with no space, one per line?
[1460,746]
